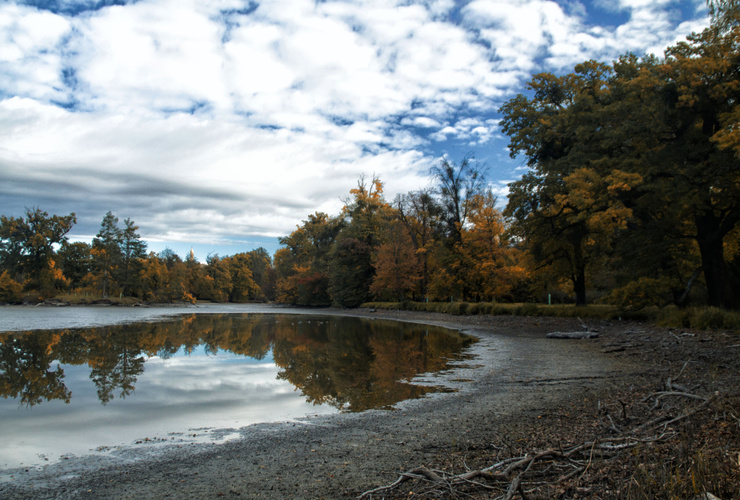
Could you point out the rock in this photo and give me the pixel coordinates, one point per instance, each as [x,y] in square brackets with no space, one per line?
[706,496]
[572,335]
[55,302]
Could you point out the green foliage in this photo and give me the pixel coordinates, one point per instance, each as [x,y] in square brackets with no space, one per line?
[351,272]
[642,293]
[10,290]
[27,246]
[629,162]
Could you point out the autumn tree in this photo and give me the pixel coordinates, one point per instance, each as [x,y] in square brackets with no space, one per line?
[566,207]
[681,139]
[302,265]
[154,277]
[261,266]
[10,290]
[352,271]
[75,261]
[27,247]
[243,286]
[491,263]
[216,284]
[421,215]
[396,263]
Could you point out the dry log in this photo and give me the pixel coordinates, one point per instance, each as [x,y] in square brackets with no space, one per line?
[572,335]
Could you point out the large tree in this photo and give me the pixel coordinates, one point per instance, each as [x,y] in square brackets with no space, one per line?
[676,120]
[133,251]
[647,144]
[106,252]
[27,245]
[557,130]
[365,215]
[421,214]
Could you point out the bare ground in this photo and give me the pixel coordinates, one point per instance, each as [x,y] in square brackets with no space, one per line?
[521,394]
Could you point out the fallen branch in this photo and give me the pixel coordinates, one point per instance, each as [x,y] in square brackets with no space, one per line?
[509,476]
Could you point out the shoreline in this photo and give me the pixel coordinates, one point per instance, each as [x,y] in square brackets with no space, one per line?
[340,456]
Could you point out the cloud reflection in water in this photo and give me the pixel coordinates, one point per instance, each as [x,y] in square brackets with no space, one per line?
[75,390]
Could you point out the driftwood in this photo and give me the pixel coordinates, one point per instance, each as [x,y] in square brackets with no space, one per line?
[525,474]
[572,335]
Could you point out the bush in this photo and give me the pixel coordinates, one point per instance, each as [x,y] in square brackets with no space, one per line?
[712,318]
[673,317]
[639,294]
[10,290]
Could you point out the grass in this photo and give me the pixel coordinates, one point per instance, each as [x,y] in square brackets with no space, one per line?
[697,318]
[85,298]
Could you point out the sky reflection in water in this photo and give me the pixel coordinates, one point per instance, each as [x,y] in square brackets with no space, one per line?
[76,390]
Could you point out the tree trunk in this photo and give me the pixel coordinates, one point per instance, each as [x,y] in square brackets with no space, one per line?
[579,273]
[720,290]
[579,286]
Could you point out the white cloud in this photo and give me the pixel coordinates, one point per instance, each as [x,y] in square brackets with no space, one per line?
[203,122]
[31,62]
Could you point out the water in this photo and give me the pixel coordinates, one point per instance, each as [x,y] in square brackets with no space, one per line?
[179,378]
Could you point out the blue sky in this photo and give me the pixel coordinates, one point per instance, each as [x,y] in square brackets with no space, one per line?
[221,124]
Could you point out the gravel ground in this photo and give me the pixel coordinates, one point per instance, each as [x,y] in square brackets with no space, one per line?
[515,375]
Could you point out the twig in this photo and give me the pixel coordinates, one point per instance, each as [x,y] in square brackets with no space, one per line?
[508,476]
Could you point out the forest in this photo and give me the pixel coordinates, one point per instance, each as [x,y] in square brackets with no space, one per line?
[631,197]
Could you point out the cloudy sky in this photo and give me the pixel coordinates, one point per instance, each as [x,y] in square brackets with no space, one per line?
[221,124]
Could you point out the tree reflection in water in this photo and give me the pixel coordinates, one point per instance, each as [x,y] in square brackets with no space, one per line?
[351,363]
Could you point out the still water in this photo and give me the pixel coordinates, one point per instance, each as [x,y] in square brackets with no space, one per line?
[199,377]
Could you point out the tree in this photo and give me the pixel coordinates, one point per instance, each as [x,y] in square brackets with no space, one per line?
[75,261]
[704,72]
[261,265]
[396,265]
[561,132]
[27,245]
[217,270]
[10,290]
[302,265]
[491,264]
[133,250]
[243,287]
[683,112]
[106,252]
[351,271]
[154,277]
[457,186]
[420,214]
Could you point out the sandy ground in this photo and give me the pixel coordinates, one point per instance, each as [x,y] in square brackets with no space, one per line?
[515,375]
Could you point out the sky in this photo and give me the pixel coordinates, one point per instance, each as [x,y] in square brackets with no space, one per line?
[220,125]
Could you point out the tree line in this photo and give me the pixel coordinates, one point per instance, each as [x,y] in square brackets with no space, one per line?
[37,262]
[632,197]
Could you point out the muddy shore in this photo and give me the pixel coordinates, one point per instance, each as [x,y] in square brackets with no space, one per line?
[341,456]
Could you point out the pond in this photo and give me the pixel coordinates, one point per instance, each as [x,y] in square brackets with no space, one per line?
[201,377]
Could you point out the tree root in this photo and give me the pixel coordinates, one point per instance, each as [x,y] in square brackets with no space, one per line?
[509,478]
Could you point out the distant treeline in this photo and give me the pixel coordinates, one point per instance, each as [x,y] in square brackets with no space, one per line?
[38,262]
[632,197]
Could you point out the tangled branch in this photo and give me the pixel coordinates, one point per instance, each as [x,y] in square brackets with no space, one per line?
[525,474]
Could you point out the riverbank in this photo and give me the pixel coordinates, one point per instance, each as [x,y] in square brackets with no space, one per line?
[547,393]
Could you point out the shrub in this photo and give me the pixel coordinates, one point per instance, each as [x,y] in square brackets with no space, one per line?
[640,294]
[10,290]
